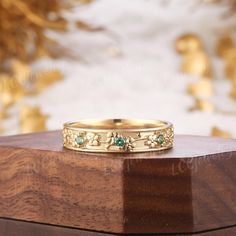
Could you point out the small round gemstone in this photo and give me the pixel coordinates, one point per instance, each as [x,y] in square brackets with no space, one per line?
[160,139]
[120,142]
[79,140]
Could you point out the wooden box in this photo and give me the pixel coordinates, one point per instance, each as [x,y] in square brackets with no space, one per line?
[47,190]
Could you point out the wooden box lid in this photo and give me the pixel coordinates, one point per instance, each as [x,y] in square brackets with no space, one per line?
[188,189]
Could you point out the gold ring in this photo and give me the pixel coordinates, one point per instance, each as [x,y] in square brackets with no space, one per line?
[118,135]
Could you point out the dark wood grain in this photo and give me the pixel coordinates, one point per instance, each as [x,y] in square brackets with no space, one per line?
[172,195]
[190,188]
[10,227]
[19,228]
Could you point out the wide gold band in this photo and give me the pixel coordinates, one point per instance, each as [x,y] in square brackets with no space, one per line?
[118,135]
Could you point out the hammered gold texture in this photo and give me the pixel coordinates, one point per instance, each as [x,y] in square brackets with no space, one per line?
[118,140]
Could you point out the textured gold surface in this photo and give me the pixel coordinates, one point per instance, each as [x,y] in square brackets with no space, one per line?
[118,135]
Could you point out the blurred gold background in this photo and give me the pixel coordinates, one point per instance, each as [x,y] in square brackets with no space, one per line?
[27,37]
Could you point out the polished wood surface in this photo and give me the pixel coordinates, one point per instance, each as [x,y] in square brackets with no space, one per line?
[189,188]
[20,228]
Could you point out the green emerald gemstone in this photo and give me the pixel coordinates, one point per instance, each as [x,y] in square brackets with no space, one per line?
[79,140]
[120,142]
[161,139]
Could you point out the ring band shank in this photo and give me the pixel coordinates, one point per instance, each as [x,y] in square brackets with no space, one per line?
[118,135]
